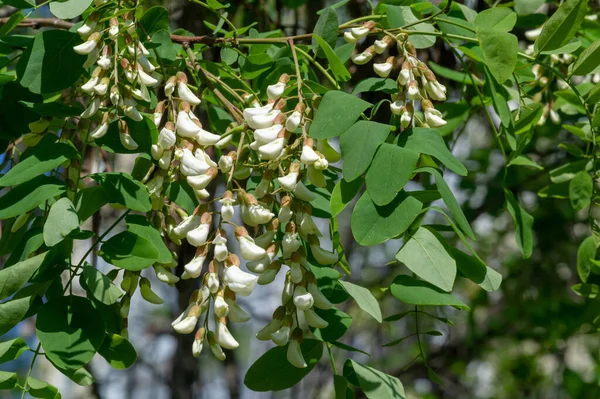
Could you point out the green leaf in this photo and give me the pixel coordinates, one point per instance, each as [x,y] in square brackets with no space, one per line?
[13,312]
[343,193]
[398,16]
[14,277]
[129,251]
[27,196]
[451,74]
[372,224]
[118,351]
[428,141]
[326,29]
[585,254]
[340,386]
[182,194]
[79,376]
[588,61]
[499,52]
[153,20]
[336,113]
[62,220]
[122,189]
[421,293]
[8,380]
[523,224]
[11,350]
[374,383]
[256,64]
[475,270]
[581,189]
[273,372]
[339,322]
[450,201]
[586,290]
[348,348]
[140,226]
[359,144]
[524,160]
[568,171]
[41,389]
[389,172]
[50,64]
[499,95]
[385,85]
[12,23]
[335,63]
[98,285]
[70,331]
[426,256]
[500,18]
[69,9]
[89,200]
[44,157]
[364,299]
[395,342]
[561,26]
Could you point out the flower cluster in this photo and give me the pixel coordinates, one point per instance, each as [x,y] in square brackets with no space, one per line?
[274,146]
[120,84]
[416,82]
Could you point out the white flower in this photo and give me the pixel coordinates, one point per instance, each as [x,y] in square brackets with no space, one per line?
[308,156]
[167,137]
[198,236]
[238,281]
[348,37]
[380,46]
[267,135]
[221,250]
[145,63]
[290,243]
[194,267]
[383,69]
[249,250]
[289,181]
[205,138]
[405,75]
[434,117]
[293,121]
[314,320]
[91,109]
[165,160]
[406,119]
[275,91]
[360,32]
[102,87]
[436,90]
[191,165]
[281,336]
[303,300]
[212,282]
[259,215]
[294,354]
[132,112]
[249,113]
[200,182]
[198,342]
[413,91]
[262,121]
[220,306]
[225,163]
[88,46]
[271,150]
[227,209]
[127,141]
[88,27]
[185,126]
[186,322]
[88,87]
[362,58]
[187,224]
[99,131]
[104,62]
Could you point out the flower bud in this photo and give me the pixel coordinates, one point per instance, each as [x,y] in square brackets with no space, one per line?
[215,347]
[303,300]
[268,276]
[303,193]
[198,236]
[321,301]
[362,31]
[194,267]
[294,352]
[433,117]
[362,58]
[165,275]
[186,322]
[314,320]
[101,129]
[381,45]
[198,342]
[248,249]
[282,336]
[89,45]
[220,243]
[221,307]
[265,333]
[293,121]
[289,181]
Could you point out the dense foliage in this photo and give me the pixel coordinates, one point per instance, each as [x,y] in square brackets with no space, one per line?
[249,142]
